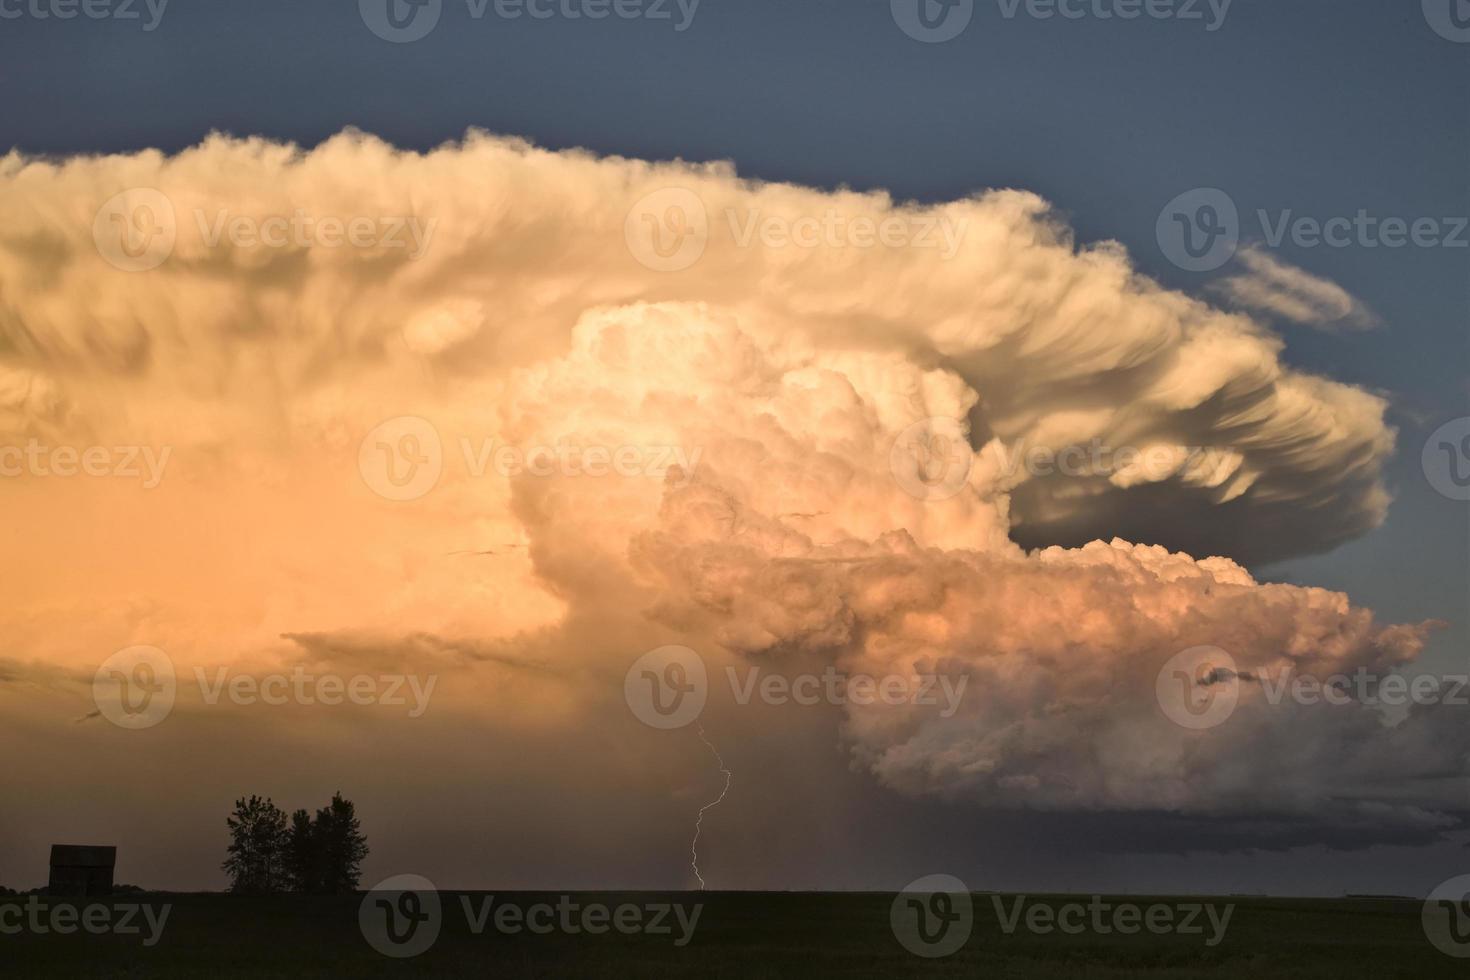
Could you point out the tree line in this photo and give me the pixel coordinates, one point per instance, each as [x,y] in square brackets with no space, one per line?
[312,855]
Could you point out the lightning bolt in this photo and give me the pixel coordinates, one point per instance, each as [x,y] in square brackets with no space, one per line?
[698,822]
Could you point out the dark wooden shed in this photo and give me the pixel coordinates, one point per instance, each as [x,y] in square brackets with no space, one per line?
[83,870]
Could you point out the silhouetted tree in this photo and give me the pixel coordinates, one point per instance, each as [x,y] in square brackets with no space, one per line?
[342,844]
[256,862]
[304,864]
[323,855]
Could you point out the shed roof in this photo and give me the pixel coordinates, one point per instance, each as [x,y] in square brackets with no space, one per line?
[83,856]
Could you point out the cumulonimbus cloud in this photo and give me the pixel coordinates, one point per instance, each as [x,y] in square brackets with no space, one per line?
[481,256]
[786,360]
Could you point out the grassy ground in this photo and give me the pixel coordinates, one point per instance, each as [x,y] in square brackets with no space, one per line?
[738,935]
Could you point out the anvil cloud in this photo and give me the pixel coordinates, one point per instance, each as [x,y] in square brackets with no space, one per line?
[793,371]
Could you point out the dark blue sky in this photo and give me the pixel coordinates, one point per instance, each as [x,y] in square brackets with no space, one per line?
[1323,107]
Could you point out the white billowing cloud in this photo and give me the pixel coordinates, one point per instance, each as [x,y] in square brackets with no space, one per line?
[1061,648]
[1282,290]
[1064,346]
[760,392]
